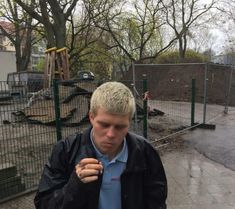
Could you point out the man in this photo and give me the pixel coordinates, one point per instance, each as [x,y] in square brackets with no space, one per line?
[106,167]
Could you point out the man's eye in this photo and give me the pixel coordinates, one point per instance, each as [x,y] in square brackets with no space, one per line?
[120,127]
[104,125]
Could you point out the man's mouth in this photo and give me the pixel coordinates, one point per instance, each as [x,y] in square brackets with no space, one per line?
[107,144]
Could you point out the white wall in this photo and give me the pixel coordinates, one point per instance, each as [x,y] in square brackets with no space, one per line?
[8,45]
[7,64]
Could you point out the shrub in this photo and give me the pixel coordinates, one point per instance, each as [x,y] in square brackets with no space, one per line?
[173,57]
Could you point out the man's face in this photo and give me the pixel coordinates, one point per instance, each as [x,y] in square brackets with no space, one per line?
[109,131]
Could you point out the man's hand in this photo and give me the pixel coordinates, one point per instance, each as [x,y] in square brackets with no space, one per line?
[88,169]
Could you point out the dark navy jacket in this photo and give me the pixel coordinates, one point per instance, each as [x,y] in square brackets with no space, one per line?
[143,183]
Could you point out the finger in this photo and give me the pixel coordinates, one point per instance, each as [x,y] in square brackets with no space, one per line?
[98,167]
[88,172]
[79,167]
[88,161]
[91,164]
[89,179]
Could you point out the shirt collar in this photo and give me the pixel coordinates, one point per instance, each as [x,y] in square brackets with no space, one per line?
[121,156]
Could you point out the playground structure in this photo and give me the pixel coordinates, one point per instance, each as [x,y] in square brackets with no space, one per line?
[56,65]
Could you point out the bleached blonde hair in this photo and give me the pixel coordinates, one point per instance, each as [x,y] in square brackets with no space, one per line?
[114,97]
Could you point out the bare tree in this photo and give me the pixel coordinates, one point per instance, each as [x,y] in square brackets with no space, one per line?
[53,14]
[68,24]
[227,7]
[183,15]
[82,36]
[202,39]
[18,29]
[227,21]
[136,32]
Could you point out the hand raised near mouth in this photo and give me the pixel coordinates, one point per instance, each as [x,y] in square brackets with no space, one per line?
[88,169]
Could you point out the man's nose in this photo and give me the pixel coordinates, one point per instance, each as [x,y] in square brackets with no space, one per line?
[111,132]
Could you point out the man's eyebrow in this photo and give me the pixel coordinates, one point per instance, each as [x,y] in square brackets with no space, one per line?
[103,123]
[121,126]
[108,124]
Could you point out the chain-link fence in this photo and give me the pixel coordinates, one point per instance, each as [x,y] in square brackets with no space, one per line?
[73,101]
[24,146]
[32,122]
[170,89]
[137,88]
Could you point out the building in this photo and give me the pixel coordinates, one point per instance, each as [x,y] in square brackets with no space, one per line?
[225,59]
[8,64]
[6,45]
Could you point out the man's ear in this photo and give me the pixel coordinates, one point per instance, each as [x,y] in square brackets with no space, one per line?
[91,117]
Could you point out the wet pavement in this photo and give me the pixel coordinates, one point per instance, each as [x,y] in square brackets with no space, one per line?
[194,180]
[201,174]
[218,144]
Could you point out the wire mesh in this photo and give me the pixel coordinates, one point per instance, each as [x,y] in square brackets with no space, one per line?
[74,104]
[170,92]
[28,128]
[137,89]
[27,118]
[217,90]
[25,143]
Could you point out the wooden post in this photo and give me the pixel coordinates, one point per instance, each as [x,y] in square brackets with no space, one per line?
[49,67]
[63,63]
[56,65]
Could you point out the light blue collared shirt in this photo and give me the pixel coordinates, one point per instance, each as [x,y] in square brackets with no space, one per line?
[110,192]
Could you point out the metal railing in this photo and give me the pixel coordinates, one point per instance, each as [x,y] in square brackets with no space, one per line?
[24,146]
[32,122]
[170,90]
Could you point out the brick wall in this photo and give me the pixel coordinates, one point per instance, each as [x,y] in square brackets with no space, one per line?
[173,82]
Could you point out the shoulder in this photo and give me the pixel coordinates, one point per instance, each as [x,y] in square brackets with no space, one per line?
[75,147]
[135,138]
[69,142]
[64,148]
[142,153]
[142,145]
[74,140]
[138,140]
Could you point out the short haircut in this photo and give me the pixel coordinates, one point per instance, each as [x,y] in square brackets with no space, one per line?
[113,97]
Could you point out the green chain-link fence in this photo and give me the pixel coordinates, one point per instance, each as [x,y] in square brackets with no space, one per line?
[170,94]
[32,122]
[24,145]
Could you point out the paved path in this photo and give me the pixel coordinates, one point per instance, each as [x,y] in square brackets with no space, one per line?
[218,144]
[24,202]
[206,180]
[195,182]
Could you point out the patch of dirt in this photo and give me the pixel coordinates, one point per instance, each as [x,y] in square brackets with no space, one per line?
[159,128]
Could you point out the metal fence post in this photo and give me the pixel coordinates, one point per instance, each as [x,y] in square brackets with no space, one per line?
[145,108]
[228,90]
[205,93]
[193,102]
[57,109]
[134,93]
